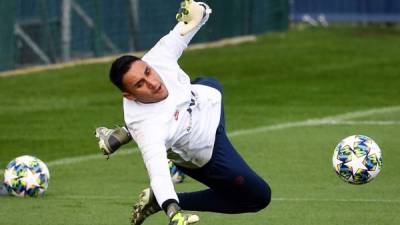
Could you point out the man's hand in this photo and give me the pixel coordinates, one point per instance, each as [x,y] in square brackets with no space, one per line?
[183,219]
[177,217]
[191,14]
[111,139]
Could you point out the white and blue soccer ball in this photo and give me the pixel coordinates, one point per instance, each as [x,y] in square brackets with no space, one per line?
[357,159]
[177,176]
[26,176]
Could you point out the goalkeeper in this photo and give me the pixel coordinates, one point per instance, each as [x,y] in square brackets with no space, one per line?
[170,117]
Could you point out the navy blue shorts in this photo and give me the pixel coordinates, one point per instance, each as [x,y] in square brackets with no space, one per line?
[233,186]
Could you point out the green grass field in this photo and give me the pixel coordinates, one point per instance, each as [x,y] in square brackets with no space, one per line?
[273,87]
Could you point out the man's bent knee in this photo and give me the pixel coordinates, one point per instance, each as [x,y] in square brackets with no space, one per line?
[254,198]
[261,199]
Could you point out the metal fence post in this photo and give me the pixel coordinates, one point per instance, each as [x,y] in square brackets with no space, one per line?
[98,50]
[66,30]
[134,22]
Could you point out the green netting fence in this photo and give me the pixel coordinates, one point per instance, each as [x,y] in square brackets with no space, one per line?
[35,32]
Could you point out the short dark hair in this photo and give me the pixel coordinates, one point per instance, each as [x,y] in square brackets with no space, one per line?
[119,67]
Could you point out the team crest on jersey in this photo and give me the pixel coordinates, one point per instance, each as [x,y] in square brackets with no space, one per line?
[176,115]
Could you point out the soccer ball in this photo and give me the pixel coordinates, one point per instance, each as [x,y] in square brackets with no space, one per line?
[357,159]
[26,176]
[177,176]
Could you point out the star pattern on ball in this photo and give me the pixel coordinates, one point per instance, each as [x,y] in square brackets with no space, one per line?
[31,179]
[9,176]
[336,161]
[356,163]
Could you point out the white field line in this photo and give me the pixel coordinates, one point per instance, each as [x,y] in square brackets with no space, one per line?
[367,122]
[336,200]
[278,199]
[79,159]
[331,120]
[317,122]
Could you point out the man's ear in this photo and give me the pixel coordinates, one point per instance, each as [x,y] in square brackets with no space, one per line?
[129,96]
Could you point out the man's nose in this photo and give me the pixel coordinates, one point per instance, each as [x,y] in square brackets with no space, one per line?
[151,83]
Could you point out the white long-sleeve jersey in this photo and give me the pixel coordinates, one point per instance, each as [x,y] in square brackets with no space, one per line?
[181,127]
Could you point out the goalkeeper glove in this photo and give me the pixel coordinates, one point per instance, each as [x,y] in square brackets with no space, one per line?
[177,217]
[191,14]
[111,139]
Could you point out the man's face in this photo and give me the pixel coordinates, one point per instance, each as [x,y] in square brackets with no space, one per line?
[143,84]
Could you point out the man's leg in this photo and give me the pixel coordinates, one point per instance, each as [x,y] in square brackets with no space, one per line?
[234,186]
